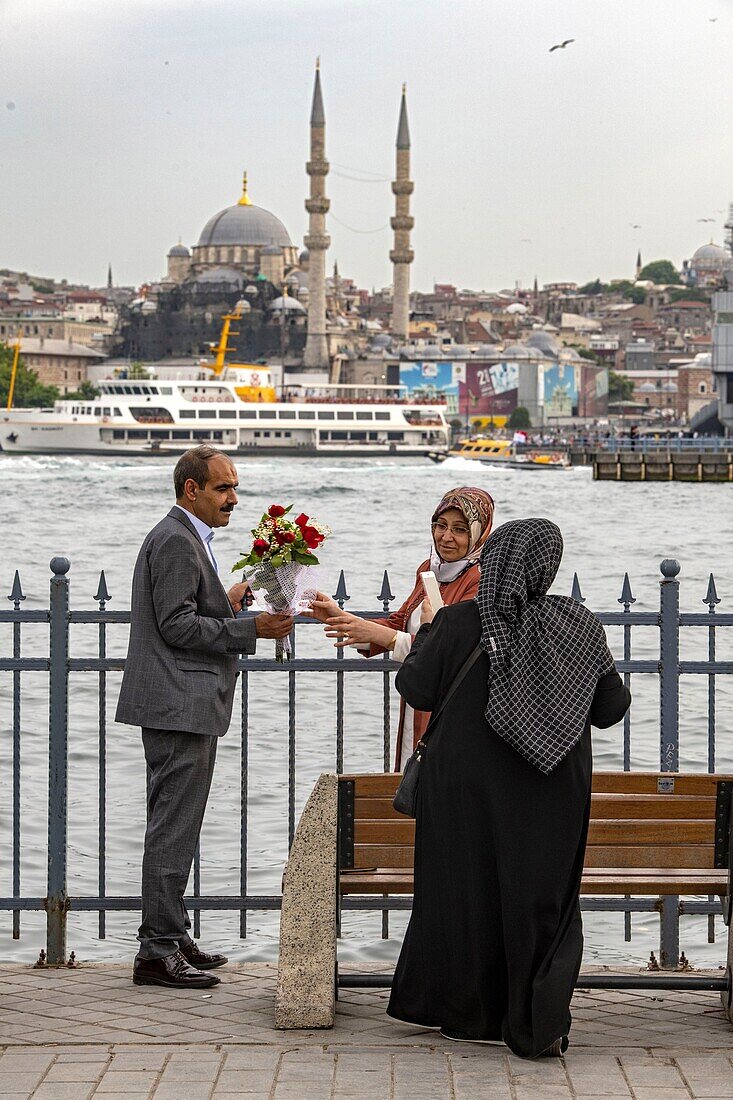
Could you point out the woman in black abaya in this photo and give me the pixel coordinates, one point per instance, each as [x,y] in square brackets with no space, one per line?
[494,944]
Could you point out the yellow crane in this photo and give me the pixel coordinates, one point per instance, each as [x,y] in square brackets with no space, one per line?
[14,370]
[249,386]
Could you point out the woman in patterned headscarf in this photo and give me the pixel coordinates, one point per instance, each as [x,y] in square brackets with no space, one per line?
[460,526]
[494,944]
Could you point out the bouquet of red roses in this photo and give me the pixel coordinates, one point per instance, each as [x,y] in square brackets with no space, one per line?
[277,564]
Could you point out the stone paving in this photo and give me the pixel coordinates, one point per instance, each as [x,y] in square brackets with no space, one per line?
[73,1034]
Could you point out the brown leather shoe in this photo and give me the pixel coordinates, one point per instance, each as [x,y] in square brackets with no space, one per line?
[173,971]
[200,959]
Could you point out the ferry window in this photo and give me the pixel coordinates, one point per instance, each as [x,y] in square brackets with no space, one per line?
[339,435]
[364,415]
[278,435]
[178,434]
[287,434]
[136,389]
[344,416]
[166,389]
[257,435]
[218,436]
[201,435]
[227,414]
[373,435]
[266,435]
[118,434]
[381,416]
[267,414]
[186,413]
[327,414]
[395,435]
[106,411]
[307,414]
[247,414]
[157,433]
[357,435]
[136,434]
[287,414]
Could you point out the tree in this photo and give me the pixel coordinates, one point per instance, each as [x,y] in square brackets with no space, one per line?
[87,391]
[519,418]
[689,294]
[620,388]
[660,271]
[28,392]
[638,295]
[596,287]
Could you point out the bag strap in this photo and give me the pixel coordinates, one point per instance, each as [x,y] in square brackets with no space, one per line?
[459,677]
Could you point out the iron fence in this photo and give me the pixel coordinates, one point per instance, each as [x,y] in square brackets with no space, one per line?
[59,664]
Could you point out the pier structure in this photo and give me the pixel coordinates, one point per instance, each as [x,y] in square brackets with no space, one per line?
[317,240]
[402,222]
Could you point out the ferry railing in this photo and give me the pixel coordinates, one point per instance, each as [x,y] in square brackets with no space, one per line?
[59,664]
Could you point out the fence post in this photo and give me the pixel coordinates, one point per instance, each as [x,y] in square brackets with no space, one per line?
[669,730]
[669,667]
[56,898]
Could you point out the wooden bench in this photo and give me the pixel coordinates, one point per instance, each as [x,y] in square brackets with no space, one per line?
[665,835]
[652,835]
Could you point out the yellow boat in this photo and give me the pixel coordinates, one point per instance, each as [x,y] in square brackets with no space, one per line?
[502,452]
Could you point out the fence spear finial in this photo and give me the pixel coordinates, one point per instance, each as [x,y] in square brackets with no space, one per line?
[385,594]
[102,594]
[711,597]
[627,596]
[341,595]
[17,592]
[575,592]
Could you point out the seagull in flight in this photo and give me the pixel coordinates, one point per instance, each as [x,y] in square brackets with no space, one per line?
[635,226]
[706,219]
[561,45]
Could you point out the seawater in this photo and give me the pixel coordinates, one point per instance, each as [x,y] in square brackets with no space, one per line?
[96,512]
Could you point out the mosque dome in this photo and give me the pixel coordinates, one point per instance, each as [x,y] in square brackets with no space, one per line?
[245,224]
[544,343]
[179,250]
[711,256]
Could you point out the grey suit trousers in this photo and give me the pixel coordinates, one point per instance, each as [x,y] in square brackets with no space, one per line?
[180,767]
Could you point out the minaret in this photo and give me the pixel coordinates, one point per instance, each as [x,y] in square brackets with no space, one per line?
[638,264]
[110,284]
[402,255]
[317,240]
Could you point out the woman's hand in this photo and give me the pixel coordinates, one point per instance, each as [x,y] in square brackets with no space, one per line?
[353,630]
[323,607]
[426,611]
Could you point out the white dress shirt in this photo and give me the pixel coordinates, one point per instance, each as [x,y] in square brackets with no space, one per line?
[205,533]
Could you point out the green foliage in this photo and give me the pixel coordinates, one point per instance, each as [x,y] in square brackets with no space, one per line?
[596,287]
[689,294]
[519,418]
[87,392]
[620,388]
[29,392]
[638,295]
[660,271]
[586,353]
[136,371]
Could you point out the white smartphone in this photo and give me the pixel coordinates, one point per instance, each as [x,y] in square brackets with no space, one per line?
[432,589]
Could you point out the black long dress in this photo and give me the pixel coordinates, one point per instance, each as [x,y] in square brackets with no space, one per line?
[494,944]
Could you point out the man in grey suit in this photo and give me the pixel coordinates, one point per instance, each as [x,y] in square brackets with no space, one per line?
[178,685]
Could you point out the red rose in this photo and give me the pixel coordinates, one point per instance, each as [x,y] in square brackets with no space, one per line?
[259,546]
[302,520]
[280,537]
[288,536]
[276,510]
[312,537]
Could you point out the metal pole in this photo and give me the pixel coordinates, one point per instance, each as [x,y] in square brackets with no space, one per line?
[58,728]
[669,666]
[669,726]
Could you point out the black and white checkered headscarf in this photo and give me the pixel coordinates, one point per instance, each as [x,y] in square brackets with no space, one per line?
[547,652]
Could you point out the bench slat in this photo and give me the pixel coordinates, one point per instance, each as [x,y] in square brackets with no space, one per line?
[651,881]
[695,856]
[700,783]
[657,806]
[400,831]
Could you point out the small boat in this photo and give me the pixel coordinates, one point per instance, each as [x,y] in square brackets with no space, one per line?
[502,452]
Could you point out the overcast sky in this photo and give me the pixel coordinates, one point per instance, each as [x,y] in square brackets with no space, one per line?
[125,124]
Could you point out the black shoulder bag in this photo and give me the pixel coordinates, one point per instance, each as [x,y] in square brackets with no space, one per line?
[405,799]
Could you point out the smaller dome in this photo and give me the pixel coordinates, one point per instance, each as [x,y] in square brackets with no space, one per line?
[304,255]
[516,307]
[711,255]
[544,343]
[220,275]
[303,293]
[179,250]
[250,289]
[291,305]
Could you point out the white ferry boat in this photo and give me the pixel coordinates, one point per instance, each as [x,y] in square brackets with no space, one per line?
[156,416]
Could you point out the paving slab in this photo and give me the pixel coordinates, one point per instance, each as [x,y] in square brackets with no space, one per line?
[89,1033]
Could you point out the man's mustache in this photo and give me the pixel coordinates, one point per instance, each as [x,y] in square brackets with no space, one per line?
[228,508]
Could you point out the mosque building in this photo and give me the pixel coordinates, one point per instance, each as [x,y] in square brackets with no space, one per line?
[245,254]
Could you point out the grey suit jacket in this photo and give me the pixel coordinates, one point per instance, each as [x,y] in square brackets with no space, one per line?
[181,664]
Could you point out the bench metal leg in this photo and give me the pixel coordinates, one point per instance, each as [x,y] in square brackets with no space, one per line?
[727,994]
[307,963]
[669,932]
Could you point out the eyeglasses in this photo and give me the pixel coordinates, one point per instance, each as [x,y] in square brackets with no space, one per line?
[440,527]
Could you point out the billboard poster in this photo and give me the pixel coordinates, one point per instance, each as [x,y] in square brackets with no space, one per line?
[594,400]
[433,380]
[560,390]
[489,389]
